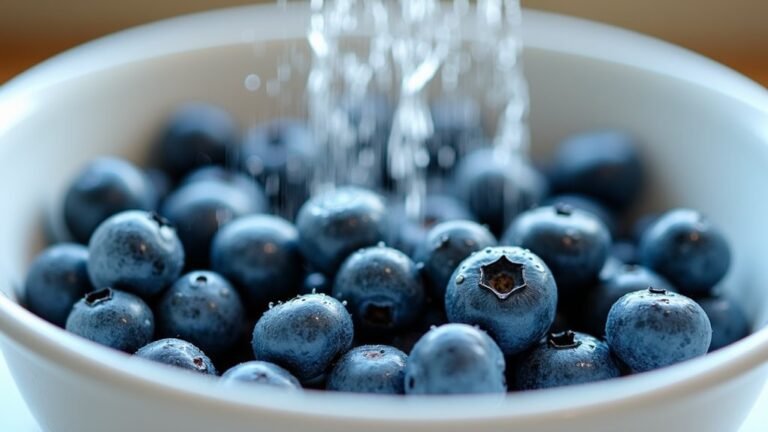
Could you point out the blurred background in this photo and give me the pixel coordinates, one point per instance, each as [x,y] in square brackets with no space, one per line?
[734,32]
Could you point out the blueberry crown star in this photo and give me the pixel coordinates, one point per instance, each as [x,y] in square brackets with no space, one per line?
[502,277]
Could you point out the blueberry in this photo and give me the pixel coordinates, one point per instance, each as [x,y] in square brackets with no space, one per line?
[603,164]
[455,359]
[371,121]
[655,328]
[304,335]
[281,154]
[612,266]
[563,359]
[507,291]
[201,308]
[335,224]
[458,128]
[573,243]
[407,234]
[316,282]
[369,369]
[641,225]
[627,279]
[262,373]
[433,316]
[200,208]
[495,191]
[197,134]
[260,255]
[729,322]
[239,180]
[587,204]
[448,244]
[625,251]
[161,182]
[112,318]
[688,250]
[57,279]
[137,252]
[178,353]
[105,187]
[383,287]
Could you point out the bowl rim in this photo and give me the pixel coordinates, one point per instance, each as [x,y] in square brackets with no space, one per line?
[585,39]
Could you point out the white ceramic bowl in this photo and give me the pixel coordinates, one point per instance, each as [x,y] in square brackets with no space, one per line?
[705,130]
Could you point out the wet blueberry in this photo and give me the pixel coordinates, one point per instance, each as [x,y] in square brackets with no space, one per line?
[137,252]
[105,187]
[383,289]
[197,134]
[496,191]
[507,291]
[573,243]
[57,279]
[178,353]
[244,183]
[448,244]
[260,255]
[688,250]
[407,234]
[563,359]
[369,369]
[729,322]
[335,224]
[261,373]
[455,359]
[281,154]
[589,205]
[198,209]
[655,328]
[112,318]
[603,164]
[304,335]
[203,309]
[627,279]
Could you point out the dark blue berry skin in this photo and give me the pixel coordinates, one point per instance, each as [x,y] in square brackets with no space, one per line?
[629,278]
[261,373]
[729,322]
[316,283]
[458,129]
[304,335]
[112,318]
[383,289]
[603,164]
[239,180]
[455,359]
[335,224]
[448,244]
[564,359]
[688,250]
[203,309]
[281,154]
[200,208]
[641,225]
[407,234]
[137,252]
[197,134]
[161,182]
[587,204]
[654,328]
[105,187]
[496,192]
[625,251]
[178,353]
[369,369]
[507,291]
[260,255]
[573,243]
[57,279]
[433,316]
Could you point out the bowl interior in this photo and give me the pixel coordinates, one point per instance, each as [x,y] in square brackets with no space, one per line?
[704,146]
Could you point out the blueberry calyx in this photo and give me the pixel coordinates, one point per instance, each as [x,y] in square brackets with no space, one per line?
[563,209]
[202,279]
[95,297]
[199,363]
[563,340]
[654,290]
[378,315]
[502,277]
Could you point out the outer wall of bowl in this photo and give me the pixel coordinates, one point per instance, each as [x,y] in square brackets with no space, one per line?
[704,128]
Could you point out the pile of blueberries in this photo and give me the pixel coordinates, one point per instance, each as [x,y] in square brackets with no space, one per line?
[517,278]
